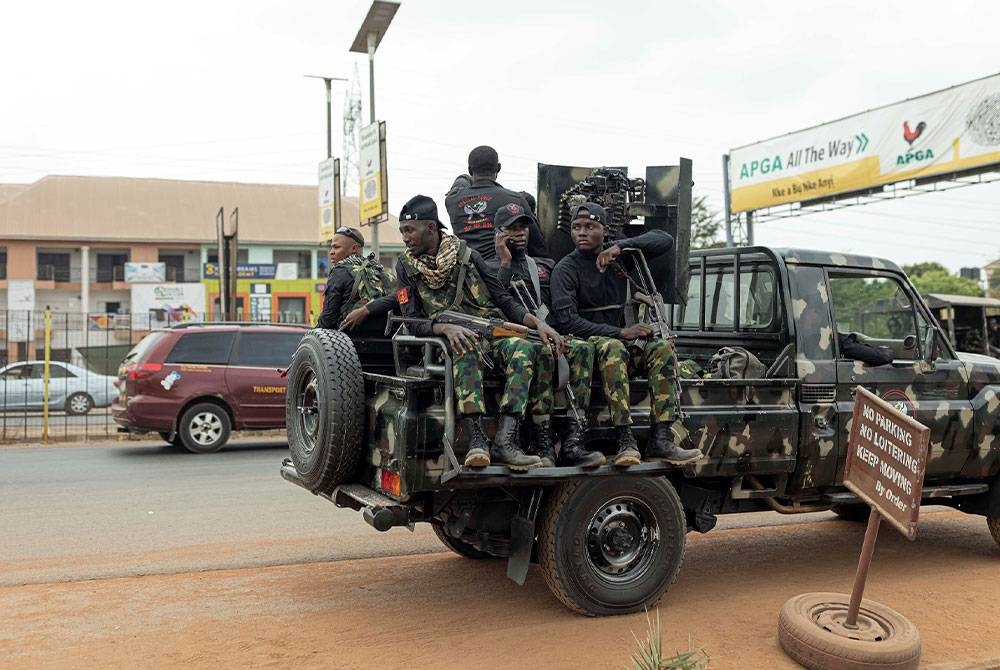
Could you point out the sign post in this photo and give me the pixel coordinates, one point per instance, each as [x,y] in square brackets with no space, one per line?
[886,460]
[373,200]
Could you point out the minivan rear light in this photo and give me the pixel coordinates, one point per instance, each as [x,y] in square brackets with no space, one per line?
[143,371]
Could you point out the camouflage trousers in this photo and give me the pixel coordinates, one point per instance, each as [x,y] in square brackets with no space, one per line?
[617,361]
[580,356]
[513,359]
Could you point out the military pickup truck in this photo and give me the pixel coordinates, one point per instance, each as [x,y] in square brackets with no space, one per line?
[371,427]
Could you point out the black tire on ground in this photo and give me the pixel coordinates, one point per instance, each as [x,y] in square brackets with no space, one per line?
[611,546]
[458,546]
[204,428]
[324,409]
[852,511]
[993,522]
[889,640]
[79,404]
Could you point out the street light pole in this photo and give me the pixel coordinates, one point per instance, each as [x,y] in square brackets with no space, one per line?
[367,40]
[329,120]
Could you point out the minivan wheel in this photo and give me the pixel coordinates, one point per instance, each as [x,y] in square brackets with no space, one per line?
[204,428]
[79,404]
[324,409]
[611,546]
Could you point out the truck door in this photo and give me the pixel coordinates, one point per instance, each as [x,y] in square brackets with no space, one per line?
[882,310]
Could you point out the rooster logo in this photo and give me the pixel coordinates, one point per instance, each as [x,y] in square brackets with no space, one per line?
[911,135]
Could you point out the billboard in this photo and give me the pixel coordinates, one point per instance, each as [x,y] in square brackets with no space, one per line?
[951,130]
[145,272]
[373,197]
[168,303]
[327,198]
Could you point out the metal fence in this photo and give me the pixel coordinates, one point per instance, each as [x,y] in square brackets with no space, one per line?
[85,352]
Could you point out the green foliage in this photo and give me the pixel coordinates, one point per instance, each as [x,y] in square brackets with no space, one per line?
[650,653]
[706,223]
[919,269]
[935,281]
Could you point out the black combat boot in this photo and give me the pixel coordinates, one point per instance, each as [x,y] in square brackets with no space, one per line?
[507,445]
[479,447]
[542,439]
[572,452]
[628,450]
[661,448]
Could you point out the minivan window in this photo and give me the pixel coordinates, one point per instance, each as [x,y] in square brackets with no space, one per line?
[142,347]
[266,350]
[203,348]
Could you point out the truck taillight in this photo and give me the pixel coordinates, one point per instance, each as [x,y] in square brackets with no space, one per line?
[143,370]
[390,482]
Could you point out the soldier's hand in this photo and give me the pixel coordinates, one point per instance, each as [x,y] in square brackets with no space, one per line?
[460,338]
[354,318]
[639,296]
[635,331]
[607,257]
[551,338]
[503,251]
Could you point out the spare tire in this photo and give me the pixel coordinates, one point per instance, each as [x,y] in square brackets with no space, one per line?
[324,409]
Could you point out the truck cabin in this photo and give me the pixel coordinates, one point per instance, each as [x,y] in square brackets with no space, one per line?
[972,323]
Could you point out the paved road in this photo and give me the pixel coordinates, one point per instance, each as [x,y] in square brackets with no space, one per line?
[83,512]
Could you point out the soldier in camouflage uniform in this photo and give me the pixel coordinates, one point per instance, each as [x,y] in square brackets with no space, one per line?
[589,301]
[438,272]
[353,281]
[527,278]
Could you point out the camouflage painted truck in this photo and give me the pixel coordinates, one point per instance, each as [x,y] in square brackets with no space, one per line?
[371,422]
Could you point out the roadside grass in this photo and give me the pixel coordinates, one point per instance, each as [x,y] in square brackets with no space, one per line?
[649,656]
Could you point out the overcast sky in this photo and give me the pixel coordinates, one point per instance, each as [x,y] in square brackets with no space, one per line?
[214,90]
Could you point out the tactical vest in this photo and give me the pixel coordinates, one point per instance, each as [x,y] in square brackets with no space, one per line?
[465,291]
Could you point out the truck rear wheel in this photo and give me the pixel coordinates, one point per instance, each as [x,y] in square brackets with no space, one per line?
[852,511]
[324,409]
[458,546]
[611,546]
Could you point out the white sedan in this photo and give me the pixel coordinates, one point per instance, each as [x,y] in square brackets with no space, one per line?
[71,388]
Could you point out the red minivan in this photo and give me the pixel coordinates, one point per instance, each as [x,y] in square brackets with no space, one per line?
[194,383]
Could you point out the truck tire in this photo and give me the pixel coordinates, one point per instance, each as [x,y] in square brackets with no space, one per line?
[611,546]
[993,522]
[324,409]
[805,622]
[458,546]
[852,511]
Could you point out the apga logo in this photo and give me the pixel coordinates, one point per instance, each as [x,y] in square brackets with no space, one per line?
[899,401]
[911,135]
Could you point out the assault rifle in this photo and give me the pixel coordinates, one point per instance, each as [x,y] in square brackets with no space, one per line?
[657,316]
[485,328]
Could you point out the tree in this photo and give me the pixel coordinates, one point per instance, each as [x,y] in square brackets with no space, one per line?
[705,225]
[918,269]
[935,281]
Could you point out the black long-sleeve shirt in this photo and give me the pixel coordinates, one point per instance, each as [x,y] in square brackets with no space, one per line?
[412,305]
[472,207]
[578,286]
[519,270]
[339,286]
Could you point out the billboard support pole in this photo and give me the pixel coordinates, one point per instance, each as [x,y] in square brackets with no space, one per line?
[750,228]
[220,233]
[725,197]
